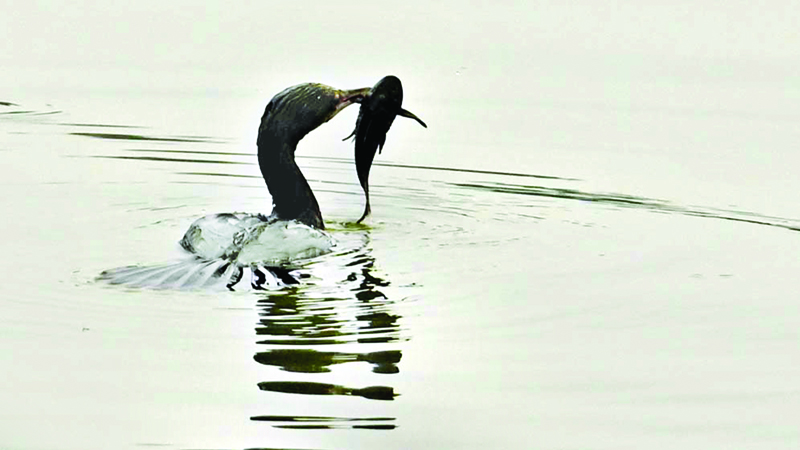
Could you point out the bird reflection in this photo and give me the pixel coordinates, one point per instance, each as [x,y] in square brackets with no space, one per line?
[357,310]
[310,388]
[313,361]
[328,422]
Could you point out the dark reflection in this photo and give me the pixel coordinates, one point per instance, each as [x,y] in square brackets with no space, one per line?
[354,310]
[169,154]
[30,112]
[324,422]
[313,361]
[632,201]
[212,174]
[191,152]
[97,125]
[290,323]
[309,388]
[304,316]
[175,160]
[139,137]
[333,427]
[18,112]
[272,448]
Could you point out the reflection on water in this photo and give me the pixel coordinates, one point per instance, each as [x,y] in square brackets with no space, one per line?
[349,309]
[352,311]
[322,422]
[313,361]
[311,388]
[139,137]
[97,125]
[176,160]
[15,110]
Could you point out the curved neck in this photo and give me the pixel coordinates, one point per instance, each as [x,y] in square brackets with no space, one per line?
[292,198]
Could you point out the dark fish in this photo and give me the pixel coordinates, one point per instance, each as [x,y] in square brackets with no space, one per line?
[378,110]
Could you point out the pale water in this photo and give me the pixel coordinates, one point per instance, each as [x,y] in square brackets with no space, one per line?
[594,245]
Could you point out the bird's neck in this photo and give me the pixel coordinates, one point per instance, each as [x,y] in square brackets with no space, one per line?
[292,198]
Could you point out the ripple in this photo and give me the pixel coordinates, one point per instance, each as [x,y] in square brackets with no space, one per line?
[140,137]
[313,361]
[354,312]
[632,201]
[327,422]
[345,314]
[311,388]
[97,125]
[14,110]
[173,160]
[189,152]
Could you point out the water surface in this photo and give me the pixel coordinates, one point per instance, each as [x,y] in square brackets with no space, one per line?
[595,251]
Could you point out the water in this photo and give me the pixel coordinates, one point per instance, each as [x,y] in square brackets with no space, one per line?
[593,245]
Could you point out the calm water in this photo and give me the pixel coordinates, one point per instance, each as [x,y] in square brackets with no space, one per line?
[595,250]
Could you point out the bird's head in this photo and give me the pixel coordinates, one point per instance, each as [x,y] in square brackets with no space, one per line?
[296,111]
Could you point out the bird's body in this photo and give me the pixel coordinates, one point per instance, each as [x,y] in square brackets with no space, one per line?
[249,239]
[288,117]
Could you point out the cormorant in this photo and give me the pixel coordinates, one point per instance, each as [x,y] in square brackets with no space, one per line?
[225,246]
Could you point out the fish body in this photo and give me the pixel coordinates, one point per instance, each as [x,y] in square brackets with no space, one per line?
[379,107]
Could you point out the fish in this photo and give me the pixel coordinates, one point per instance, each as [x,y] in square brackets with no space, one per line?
[378,109]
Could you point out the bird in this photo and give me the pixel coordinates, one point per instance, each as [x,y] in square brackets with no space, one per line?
[225,247]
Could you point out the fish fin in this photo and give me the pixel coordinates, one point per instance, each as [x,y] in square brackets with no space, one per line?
[381,143]
[410,115]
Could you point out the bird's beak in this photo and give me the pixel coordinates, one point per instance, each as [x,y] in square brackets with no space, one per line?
[346,98]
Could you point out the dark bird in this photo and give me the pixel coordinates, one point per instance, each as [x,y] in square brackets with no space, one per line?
[382,104]
[288,117]
[226,246]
